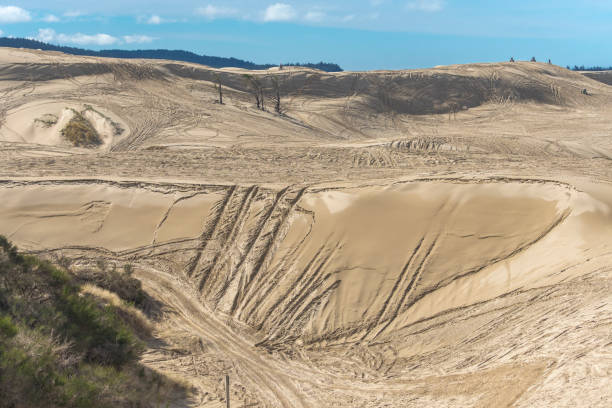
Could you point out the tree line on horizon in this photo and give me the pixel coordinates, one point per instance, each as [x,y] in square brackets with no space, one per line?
[583,68]
[176,55]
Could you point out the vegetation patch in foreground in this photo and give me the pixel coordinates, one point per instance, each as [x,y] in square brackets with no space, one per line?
[62,346]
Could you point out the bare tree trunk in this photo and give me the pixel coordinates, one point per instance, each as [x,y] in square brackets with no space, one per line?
[262,97]
[277,108]
[257,91]
[277,96]
[219,88]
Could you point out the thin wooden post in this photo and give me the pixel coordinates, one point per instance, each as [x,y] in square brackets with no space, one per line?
[227,391]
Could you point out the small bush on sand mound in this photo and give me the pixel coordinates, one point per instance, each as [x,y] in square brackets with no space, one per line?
[80,132]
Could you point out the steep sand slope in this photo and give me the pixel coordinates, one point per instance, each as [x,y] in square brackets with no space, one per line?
[324,264]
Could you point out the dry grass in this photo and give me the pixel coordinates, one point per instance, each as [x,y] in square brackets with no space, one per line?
[80,132]
[131,315]
[47,120]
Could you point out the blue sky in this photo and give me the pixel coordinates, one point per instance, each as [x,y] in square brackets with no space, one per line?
[358,34]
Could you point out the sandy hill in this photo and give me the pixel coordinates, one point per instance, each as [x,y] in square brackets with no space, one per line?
[437,237]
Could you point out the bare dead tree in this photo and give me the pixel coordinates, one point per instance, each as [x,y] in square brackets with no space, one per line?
[256,90]
[452,111]
[262,98]
[277,96]
[219,88]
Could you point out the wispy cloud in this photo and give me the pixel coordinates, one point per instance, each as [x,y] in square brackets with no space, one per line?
[51,18]
[426,5]
[45,34]
[74,13]
[154,19]
[212,12]
[315,16]
[13,14]
[49,35]
[279,12]
[137,39]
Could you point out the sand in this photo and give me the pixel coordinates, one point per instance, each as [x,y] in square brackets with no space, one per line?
[436,237]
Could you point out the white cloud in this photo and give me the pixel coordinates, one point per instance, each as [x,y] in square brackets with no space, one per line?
[348,18]
[1,33]
[96,39]
[13,14]
[315,16]
[73,13]
[154,19]
[49,35]
[211,12]
[279,12]
[426,5]
[46,35]
[51,18]
[137,39]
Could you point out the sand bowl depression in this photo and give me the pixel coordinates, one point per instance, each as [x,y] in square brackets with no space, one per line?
[317,265]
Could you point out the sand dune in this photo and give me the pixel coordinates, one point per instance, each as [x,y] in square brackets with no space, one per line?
[436,237]
[42,123]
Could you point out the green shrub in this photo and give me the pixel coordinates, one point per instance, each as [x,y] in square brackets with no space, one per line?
[99,333]
[60,347]
[7,328]
[128,269]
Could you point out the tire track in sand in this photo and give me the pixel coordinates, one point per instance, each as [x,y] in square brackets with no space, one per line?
[268,381]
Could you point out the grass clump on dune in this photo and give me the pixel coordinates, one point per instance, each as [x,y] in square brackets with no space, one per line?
[127,312]
[63,345]
[80,132]
[120,283]
[47,120]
